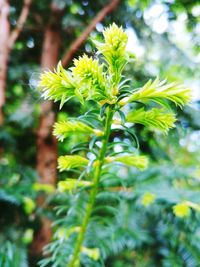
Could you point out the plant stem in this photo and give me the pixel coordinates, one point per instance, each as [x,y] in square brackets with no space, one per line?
[94,189]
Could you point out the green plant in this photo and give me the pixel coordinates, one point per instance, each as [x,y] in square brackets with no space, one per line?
[12,254]
[100,81]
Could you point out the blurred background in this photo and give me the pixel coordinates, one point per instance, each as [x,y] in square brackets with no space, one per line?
[164,39]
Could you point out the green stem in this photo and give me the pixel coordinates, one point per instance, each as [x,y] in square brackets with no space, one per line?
[94,190]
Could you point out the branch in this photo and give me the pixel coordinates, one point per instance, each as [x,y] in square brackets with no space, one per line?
[81,39]
[20,23]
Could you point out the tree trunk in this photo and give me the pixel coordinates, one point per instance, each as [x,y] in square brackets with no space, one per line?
[7,40]
[4,51]
[46,142]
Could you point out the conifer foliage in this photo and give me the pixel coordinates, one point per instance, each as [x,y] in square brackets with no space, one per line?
[101,82]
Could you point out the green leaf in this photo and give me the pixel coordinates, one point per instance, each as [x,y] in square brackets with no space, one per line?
[155,118]
[27,237]
[93,253]
[114,50]
[70,162]
[147,199]
[57,85]
[67,128]
[181,210]
[70,184]
[91,79]
[140,162]
[158,91]
[48,188]
[29,205]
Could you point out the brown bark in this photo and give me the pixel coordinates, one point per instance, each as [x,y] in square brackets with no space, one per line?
[83,37]
[42,238]
[7,41]
[20,23]
[46,142]
[4,51]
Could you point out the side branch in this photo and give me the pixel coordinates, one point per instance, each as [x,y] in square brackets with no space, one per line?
[81,39]
[20,23]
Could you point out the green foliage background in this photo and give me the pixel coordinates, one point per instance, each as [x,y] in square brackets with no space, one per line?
[141,236]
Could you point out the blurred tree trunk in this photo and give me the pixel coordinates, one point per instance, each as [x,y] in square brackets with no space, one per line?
[46,142]
[4,51]
[7,41]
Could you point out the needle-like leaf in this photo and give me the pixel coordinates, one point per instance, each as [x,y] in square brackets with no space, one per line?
[70,162]
[159,91]
[155,118]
